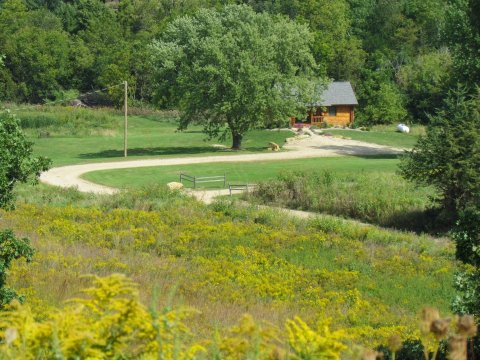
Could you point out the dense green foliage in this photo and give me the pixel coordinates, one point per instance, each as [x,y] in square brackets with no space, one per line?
[17,165]
[463,38]
[401,56]
[466,234]
[448,157]
[233,70]
[11,248]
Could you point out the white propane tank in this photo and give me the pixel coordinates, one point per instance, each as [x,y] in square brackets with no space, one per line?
[403,128]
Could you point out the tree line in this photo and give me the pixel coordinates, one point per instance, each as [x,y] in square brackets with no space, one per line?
[401,56]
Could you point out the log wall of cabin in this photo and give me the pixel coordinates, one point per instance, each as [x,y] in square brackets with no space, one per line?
[343,118]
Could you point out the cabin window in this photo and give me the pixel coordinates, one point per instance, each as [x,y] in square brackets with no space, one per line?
[332,111]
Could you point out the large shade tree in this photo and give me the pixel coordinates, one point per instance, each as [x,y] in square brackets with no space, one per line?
[233,70]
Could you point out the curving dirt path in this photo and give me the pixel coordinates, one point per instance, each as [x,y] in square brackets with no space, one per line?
[314,146]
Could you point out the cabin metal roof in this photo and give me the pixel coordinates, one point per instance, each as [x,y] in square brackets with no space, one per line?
[337,93]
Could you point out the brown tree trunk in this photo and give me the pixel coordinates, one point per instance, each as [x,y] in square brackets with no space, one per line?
[236,141]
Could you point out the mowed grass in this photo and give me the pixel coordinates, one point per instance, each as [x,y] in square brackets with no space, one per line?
[72,136]
[382,135]
[240,172]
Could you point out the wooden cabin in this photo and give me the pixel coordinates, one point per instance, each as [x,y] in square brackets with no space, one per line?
[335,106]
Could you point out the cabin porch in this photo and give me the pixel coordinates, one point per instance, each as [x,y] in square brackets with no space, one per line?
[334,115]
[313,118]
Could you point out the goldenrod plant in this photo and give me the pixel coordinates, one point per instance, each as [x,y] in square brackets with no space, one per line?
[110,322]
[241,261]
[307,343]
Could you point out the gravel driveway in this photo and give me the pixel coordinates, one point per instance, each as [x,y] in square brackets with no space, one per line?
[314,146]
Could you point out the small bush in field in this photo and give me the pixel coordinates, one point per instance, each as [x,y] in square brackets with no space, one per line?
[11,248]
[17,163]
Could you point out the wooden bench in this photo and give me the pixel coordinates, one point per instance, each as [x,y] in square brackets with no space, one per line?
[203,179]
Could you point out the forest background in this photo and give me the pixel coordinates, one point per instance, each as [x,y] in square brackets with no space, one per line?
[402,57]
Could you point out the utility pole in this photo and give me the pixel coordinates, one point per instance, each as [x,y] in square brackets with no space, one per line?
[125,133]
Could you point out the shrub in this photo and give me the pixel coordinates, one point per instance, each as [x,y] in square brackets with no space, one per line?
[466,234]
[11,248]
[17,163]
[350,195]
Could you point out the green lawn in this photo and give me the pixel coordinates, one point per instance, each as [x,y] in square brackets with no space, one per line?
[145,143]
[382,135]
[241,172]
[363,188]
[72,136]
[97,135]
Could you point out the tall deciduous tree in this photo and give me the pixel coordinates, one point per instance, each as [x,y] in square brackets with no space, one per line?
[380,99]
[336,49]
[233,70]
